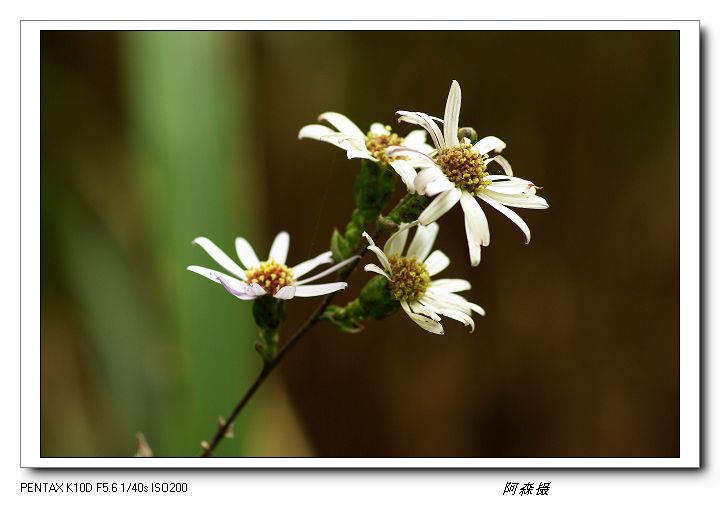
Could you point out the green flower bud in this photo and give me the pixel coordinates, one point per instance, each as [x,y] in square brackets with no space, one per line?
[468,132]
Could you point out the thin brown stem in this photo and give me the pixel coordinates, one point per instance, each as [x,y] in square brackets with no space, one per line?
[383,225]
[225,425]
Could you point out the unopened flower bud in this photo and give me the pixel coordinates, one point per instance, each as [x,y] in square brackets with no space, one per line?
[469,133]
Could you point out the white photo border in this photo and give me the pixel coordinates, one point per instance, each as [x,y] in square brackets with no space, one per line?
[690,329]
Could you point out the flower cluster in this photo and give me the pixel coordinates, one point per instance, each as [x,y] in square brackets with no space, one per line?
[455,168]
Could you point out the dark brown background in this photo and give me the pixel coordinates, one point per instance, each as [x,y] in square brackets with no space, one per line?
[151,139]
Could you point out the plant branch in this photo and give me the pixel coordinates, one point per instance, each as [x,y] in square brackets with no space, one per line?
[225,425]
[406,207]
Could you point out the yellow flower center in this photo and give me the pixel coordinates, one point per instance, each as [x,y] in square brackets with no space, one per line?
[410,278]
[464,167]
[271,275]
[378,143]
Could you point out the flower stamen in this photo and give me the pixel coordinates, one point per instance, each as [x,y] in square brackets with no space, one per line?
[410,278]
[271,275]
[377,144]
[464,167]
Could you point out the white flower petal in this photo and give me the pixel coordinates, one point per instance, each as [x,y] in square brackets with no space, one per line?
[376,269]
[503,164]
[412,153]
[428,175]
[447,300]
[321,133]
[319,289]
[360,154]
[219,256]
[460,316]
[473,248]
[307,266]
[416,139]
[280,247]
[343,124]
[368,238]
[454,312]
[330,270]
[510,215]
[407,174]
[396,243]
[450,285]
[421,309]
[379,253]
[452,115]
[511,185]
[438,186]
[423,322]
[381,256]
[214,275]
[423,241]
[243,291]
[488,144]
[285,293]
[518,200]
[475,219]
[476,227]
[439,206]
[246,253]
[378,128]
[436,262]
[423,120]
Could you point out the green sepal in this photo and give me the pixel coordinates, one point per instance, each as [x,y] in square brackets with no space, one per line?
[269,313]
[409,209]
[375,299]
[374,186]
[340,247]
[342,318]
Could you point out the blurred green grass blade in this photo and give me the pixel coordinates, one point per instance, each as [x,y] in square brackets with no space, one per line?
[188,123]
[101,282]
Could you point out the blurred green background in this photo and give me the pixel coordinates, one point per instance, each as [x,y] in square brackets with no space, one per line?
[150,139]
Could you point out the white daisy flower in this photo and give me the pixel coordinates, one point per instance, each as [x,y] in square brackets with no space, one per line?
[373,145]
[458,172]
[422,298]
[253,278]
